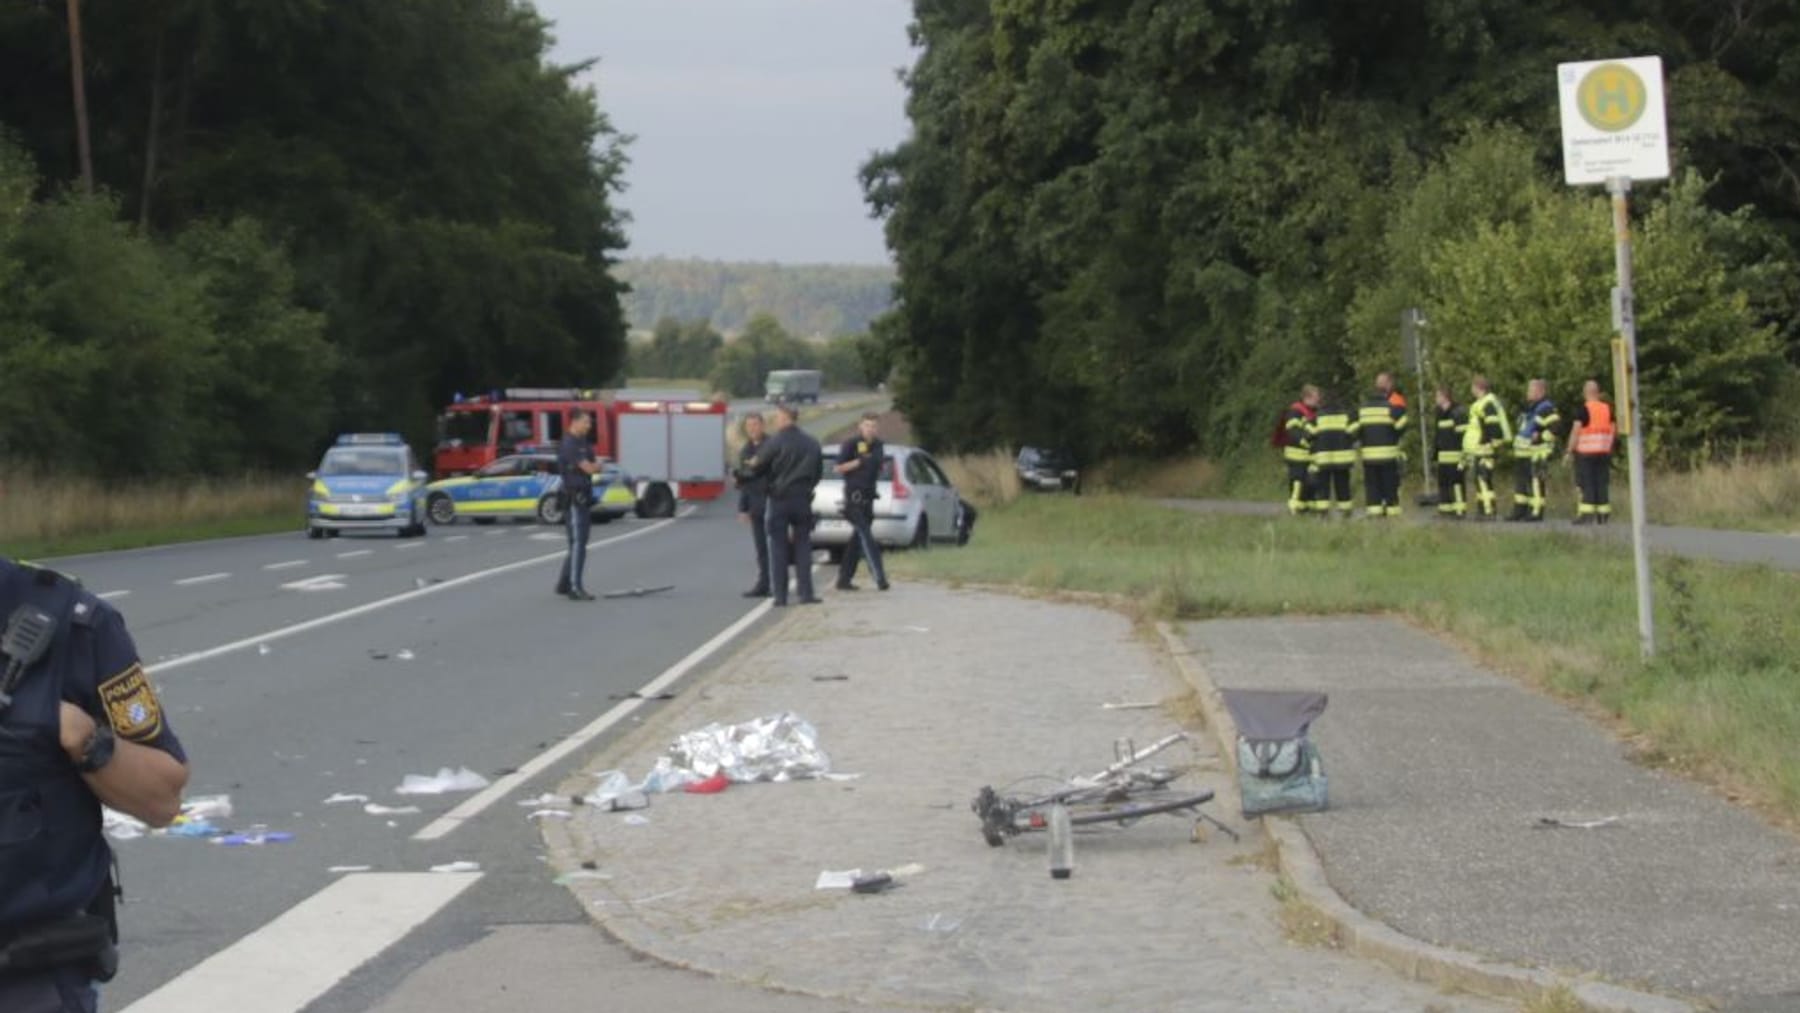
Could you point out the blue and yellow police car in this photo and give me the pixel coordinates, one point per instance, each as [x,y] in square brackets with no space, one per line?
[523,486]
[367,482]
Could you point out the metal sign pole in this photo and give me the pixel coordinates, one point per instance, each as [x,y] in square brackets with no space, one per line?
[1632,412]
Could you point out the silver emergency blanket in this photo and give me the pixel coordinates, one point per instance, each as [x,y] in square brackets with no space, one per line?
[781,747]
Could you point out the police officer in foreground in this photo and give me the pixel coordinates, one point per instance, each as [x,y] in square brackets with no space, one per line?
[80,724]
[753,502]
[791,461]
[575,459]
[859,462]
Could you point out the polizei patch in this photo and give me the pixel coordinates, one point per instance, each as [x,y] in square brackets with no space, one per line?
[131,705]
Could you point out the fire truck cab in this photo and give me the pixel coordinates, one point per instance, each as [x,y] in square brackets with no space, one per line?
[672,449]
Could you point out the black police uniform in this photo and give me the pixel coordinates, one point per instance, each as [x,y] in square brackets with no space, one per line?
[578,518]
[753,501]
[56,929]
[859,509]
[790,460]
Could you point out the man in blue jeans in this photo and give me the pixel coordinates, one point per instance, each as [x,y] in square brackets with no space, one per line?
[790,461]
[575,459]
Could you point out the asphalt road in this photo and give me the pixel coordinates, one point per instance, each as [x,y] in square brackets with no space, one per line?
[279,660]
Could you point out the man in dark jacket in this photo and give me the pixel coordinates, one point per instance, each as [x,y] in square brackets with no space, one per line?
[859,462]
[791,461]
[753,502]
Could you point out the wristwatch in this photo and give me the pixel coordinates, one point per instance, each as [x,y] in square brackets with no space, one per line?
[97,751]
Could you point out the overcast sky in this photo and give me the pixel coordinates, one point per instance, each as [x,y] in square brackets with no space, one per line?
[751,119]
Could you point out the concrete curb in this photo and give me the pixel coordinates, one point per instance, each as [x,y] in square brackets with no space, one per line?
[1366,937]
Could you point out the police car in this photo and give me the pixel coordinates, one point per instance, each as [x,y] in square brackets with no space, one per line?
[524,486]
[367,482]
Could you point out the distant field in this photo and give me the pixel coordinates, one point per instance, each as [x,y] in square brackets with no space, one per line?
[42,516]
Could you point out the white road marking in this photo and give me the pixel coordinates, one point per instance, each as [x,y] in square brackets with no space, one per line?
[181,660]
[289,565]
[504,786]
[410,545]
[110,595]
[205,578]
[290,962]
[353,553]
[496,531]
[323,582]
[546,536]
[457,538]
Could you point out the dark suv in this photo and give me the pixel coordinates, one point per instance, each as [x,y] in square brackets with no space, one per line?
[1048,470]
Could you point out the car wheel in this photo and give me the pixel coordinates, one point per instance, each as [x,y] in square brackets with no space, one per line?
[312,532]
[657,501]
[549,509]
[441,510]
[605,518]
[332,532]
[921,538]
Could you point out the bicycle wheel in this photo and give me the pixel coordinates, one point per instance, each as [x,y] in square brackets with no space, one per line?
[1136,809]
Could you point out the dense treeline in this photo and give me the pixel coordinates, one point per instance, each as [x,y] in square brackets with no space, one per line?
[1137,226]
[693,349]
[308,217]
[812,300]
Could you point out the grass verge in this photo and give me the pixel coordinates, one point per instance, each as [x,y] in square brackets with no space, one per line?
[1718,703]
[42,517]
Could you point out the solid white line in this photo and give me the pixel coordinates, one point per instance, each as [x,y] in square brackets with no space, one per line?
[205,578]
[290,564]
[364,609]
[410,545]
[110,595]
[473,806]
[353,553]
[291,961]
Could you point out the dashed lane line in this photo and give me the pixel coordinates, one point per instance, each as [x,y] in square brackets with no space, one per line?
[353,553]
[205,578]
[183,660]
[287,565]
[110,595]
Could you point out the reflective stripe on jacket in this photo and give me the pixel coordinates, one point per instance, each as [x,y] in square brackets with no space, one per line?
[1536,439]
[1377,428]
[1595,436]
[1329,437]
[1297,447]
[1452,428]
[1488,429]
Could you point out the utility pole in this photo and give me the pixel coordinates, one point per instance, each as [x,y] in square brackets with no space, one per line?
[1414,354]
[1625,318]
[81,117]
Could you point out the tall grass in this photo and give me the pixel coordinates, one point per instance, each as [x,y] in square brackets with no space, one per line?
[47,515]
[1556,610]
[986,480]
[1733,492]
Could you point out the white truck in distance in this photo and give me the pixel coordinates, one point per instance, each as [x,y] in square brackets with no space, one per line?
[792,386]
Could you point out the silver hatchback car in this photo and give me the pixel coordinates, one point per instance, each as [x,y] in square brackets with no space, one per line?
[915,504]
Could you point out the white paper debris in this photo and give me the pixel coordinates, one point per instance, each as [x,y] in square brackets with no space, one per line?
[263,649]
[404,654]
[549,814]
[546,799]
[377,809]
[121,827]
[633,819]
[445,780]
[457,867]
[339,798]
[210,808]
[349,868]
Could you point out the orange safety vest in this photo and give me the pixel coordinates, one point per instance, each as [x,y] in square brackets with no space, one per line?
[1597,435]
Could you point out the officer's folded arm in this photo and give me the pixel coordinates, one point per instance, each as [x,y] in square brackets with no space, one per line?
[140,781]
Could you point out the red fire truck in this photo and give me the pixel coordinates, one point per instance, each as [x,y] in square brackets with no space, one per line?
[672,449]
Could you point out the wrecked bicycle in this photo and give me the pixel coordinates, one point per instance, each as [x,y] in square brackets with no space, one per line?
[1121,794]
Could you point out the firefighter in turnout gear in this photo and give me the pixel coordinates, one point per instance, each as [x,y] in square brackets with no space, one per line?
[1533,446]
[1297,452]
[1333,453]
[1591,444]
[1377,428]
[1452,424]
[1487,432]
